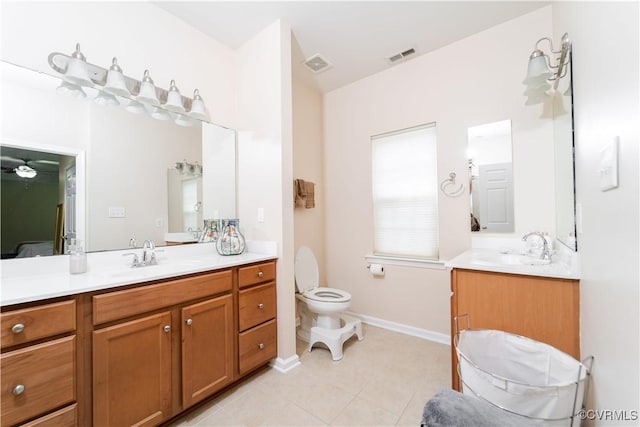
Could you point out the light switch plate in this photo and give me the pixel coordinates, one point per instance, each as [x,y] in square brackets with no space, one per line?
[260,214]
[609,166]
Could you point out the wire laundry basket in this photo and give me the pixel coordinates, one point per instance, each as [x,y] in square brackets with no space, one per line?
[522,376]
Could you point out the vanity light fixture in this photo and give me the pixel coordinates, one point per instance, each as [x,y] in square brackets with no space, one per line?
[115,80]
[77,70]
[189,169]
[174,99]
[147,94]
[545,70]
[142,95]
[25,171]
[106,99]
[198,109]
[70,89]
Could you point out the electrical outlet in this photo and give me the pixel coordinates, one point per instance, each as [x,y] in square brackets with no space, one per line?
[260,214]
[117,212]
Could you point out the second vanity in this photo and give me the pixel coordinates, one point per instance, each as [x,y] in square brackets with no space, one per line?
[507,291]
[120,346]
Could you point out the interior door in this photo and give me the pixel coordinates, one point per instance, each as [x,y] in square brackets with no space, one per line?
[496,197]
[70,204]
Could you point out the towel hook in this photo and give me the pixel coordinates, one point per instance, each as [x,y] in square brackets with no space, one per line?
[448,190]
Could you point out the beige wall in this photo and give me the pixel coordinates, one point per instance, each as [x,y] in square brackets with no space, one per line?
[308,164]
[605,86]
[265,159]
[474,81]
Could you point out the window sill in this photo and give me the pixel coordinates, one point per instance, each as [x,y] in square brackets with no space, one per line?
[406,262]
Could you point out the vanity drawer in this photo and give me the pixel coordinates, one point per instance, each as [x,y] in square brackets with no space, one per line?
[29,324]
[256,305]
[259,273]
[257,346]
[37,379]
[120,304]
[65,417]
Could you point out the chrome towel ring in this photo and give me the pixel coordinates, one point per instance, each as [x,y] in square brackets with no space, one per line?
[450,188]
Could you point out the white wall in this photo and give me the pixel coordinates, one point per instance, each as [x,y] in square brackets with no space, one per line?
[265,161]
[308,164]
[141,35]
[471,82]
[605,82]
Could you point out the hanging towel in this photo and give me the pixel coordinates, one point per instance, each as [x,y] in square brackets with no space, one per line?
[300,191]
[310,201]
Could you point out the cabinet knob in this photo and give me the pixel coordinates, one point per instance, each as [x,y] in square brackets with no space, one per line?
[18,390]
[261,346]
[166,328]
[17,328]
[260,274]
[260,306]
[188,322]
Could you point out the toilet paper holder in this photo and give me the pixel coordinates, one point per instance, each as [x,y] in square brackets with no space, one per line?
[376,269]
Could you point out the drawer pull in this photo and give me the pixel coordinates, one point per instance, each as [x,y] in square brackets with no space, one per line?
[166,328]
[18,390]
[261,346]
[260,274]
[188,322]
[260,306]
[17,328]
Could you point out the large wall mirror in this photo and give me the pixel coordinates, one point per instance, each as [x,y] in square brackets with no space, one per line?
[494,188]
[130,160]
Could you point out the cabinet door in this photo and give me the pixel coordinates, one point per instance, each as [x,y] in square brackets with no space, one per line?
[132,372]
[207,348]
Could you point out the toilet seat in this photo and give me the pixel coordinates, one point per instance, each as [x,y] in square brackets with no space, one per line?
[328,295]
[307,278]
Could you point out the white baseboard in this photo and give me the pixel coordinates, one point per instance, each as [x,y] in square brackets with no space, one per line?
[404,329]
[285,365]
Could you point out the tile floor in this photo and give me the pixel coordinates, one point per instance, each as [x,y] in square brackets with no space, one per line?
[383,380]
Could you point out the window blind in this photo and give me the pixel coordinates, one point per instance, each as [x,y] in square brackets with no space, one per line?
[405,197]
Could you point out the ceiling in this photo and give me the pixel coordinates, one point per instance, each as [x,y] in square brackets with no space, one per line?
[355,37]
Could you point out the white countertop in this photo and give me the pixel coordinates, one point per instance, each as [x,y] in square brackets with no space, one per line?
[34,279]
[487,259]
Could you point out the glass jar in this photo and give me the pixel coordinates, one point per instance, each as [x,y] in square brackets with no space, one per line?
[211,231]
[77,257]
[230,241]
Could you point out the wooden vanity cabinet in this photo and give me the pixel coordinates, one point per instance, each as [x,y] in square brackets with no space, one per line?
[152,367]
[257,337]
[38,364]
[541,308]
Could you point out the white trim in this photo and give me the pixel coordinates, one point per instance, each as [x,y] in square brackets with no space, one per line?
[285,365]
[406,262]
[404,329]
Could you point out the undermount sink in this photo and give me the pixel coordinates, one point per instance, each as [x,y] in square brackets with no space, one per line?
[499,259]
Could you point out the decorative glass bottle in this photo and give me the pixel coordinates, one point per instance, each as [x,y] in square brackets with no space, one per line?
[211,231]
[230,241]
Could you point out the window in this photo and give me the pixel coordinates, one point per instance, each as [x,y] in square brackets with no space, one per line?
[189,204]
[405,196]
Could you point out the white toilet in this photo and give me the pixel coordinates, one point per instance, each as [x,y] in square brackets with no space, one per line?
[322,318]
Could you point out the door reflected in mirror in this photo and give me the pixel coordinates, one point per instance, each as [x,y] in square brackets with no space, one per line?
[184,194]
[491,177]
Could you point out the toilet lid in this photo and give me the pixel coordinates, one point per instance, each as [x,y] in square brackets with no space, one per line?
[328,295]
[306,270]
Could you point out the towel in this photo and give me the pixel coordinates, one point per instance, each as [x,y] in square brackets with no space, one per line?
[310,201]
[300,191]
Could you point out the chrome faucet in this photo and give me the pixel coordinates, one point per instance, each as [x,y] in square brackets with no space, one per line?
[149,253]
[546,253]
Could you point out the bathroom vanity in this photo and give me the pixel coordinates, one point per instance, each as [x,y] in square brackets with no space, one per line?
[141,348]
[491,291]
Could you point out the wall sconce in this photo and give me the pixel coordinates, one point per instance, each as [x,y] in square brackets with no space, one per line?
[545,70]
[141,95]
[190,169]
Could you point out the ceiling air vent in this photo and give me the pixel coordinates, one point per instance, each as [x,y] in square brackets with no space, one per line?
[317,64]
[402,55]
